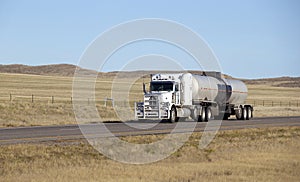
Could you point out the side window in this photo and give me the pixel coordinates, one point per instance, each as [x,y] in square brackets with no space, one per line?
[176,87]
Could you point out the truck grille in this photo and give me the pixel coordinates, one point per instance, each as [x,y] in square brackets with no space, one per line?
[151,108]
[151,104]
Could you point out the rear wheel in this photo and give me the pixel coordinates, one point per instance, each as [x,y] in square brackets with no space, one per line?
[244,113]
[195,114]
[202,117]
[173,115]
[208,114]
[239,113]
[249,113]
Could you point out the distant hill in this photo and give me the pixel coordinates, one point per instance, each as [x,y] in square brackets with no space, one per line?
[53,70]
[49,70]
[69,69]
[277,82]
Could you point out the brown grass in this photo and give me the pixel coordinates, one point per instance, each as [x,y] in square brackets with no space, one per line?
[38,114]
[243,155]
[281,97]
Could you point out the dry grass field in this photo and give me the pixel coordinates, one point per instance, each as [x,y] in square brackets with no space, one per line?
[17,109]
[241,155]
[278,101]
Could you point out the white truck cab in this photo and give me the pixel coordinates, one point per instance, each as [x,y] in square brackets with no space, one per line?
[163,94]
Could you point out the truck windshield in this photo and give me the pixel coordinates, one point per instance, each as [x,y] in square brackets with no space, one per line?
[161,86]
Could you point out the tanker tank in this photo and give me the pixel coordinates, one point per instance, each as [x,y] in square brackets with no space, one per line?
[218,89]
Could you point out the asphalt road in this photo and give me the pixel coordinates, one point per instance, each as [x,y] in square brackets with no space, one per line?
[73,132]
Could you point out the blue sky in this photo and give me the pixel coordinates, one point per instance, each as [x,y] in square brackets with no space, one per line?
[252,39]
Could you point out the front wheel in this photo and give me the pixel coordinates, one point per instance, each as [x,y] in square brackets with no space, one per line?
[173,115]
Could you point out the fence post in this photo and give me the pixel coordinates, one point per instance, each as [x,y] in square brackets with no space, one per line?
[10,97]
[263,103]
[272,104]
[32,98]
[52,99]
[71,100]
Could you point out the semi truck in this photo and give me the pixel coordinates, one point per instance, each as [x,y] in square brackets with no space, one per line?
[201,97]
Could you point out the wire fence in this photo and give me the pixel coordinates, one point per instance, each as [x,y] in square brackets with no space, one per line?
[106,101]
[272,103]
[13,98]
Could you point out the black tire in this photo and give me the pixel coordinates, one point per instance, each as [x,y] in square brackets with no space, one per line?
[250,114]
[208,114]
[244,113]
[195,115]
[202,117]
[238,113]
[173,115]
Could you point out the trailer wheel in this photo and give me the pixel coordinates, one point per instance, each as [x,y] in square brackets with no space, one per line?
[249,113]
[208,114]
[244,113]
[202,117]
[238,114]
[195,115]
[173,115]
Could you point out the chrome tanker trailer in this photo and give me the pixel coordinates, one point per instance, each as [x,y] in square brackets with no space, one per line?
[201,97]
